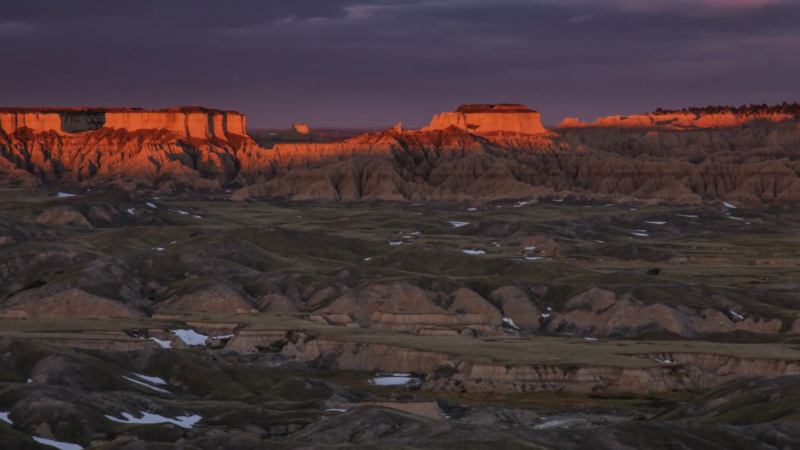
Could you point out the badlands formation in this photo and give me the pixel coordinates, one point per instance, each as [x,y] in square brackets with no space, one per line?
[167,283]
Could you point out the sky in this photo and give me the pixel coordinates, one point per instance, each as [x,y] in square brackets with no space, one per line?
[379,62]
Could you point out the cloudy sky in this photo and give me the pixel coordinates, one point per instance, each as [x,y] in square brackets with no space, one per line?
[379,62]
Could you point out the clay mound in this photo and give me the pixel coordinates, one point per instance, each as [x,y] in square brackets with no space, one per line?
[220,298]
[51,302]
[63,216]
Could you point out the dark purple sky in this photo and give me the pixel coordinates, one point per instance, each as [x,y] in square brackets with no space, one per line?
[379,62]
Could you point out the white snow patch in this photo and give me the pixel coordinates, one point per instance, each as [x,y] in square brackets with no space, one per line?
[156,198]
[691,216]
[554,423]
[131,211]
[510,322]
[664,361]
[416,233]
[545,315]
[147,418]
[150,205]
[146,385]
[610,204]
[728,205]
[57,444]
[657,223]
[183,213]
[558,199]
[159,249]
[154,380]
[224,336]
[549,308]
[530,248]
[459,224]
[474,252]
[162,344]
[197,217]
[735,218]
[174,242]
[639,234]
[4,417]
[335,410]
[533,258]
[393,380]
[64,195]
[367,259]
[408,237]
[602,242]
[395,242]
[472,209]
[190,337]
[30,380]
[738,316]
[590,339]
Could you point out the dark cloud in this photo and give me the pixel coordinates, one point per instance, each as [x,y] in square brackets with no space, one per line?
[377,62]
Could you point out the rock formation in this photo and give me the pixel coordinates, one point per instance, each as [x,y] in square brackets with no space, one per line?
[488,119]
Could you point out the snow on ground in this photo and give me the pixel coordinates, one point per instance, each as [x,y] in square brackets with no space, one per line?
[146,385]
[664,361]
[474,252]
[555,423]
[533,258]
[30,380]
[154,380]
[64,195]
[159,249]
[395,242]
[549,308]
[190,337]
[147,418]
[197,217]
[735,218]
[510,322]
[224,336]
[131,211]
[162,344]
[56,444]
[558,199]
[728,205]
[472,209]
[639,234]
[151,205]
[367,259]
[656,223]
[530,248]
[602,242]
[738,316]
[691,216]
[610,204]
[335,410]
[459,224]
[545,315]
[590,339]
[416,233]
[393,380]
[4,417]
[183,213]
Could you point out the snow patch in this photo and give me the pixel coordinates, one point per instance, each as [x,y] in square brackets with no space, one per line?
[545,315]
[162,344]
[146,385]
[395,242]
[735,218]
[728,205]
[590,339]
[510,322]
[190,337]
[150,205]
[197,217]
[533,258]
[147,418]
[57,444]
[639,234]
[472,209]
[738,316]
[4,417]
[335,410]
[394,380]
[154,380]
[657,223]
[64,195]
[459,224]
[474,252]
[224,336]
[367,259]
[159,249]
[530,248]
[691,216]
[131,211]
[183,213]
[602,242]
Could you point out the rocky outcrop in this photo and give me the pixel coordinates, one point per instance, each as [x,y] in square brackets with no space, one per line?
[684,120]
[488,119]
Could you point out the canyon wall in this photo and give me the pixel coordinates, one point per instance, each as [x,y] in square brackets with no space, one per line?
[192,122]
[681,121]
[488,119]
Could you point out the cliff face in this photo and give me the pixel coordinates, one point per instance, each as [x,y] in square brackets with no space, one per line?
[193,122]
[682,121]
[488,119]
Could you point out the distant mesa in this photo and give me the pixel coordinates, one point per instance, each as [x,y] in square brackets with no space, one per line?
[490,119]
[192,121]
[301,128]
[571,123]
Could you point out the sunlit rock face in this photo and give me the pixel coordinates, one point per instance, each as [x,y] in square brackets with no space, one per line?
[194,122]
[490,119]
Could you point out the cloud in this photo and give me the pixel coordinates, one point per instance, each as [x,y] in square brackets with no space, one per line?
[16,29]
